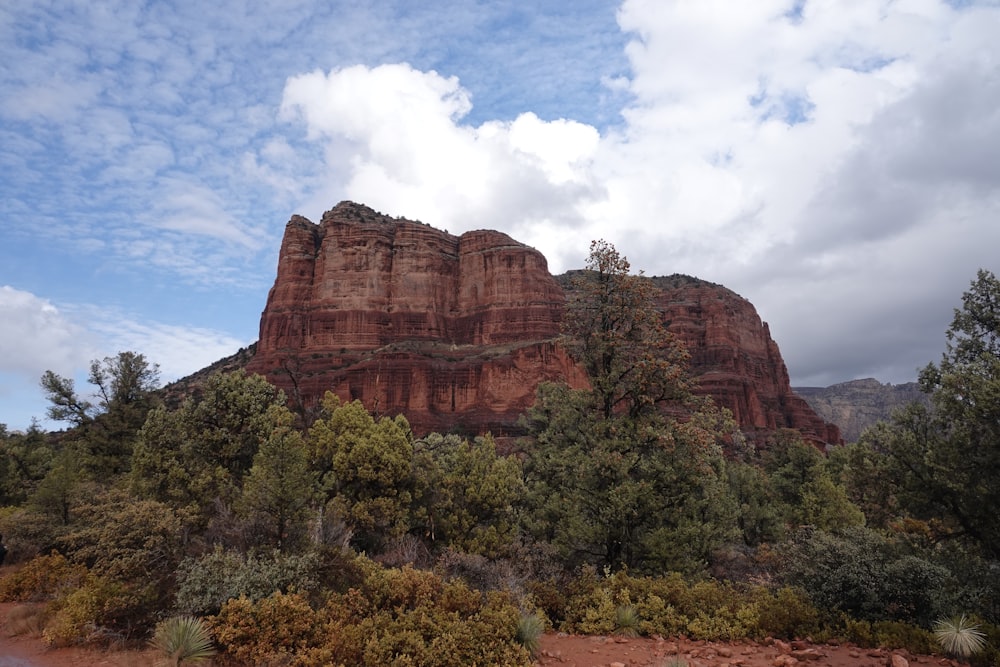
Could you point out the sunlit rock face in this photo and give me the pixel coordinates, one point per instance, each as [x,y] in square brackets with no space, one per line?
[457,332]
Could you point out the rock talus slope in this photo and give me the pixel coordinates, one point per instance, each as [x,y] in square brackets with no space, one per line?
[456,332]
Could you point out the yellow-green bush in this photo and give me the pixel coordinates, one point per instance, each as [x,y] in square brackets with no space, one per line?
[393,617]
[42,578]
[274,629]
[706,609]
[889,634]
[787,613]
[100,609]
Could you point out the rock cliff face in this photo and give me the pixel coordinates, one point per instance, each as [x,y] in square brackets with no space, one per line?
[457,332]
[736,361]
[858,404]
[454,332]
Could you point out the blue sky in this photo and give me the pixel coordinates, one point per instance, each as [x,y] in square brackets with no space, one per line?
[833,162]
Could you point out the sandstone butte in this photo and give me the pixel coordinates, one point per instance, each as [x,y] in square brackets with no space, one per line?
[457,332]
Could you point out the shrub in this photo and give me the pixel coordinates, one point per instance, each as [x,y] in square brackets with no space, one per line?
[860,573]
[183,638]
[392,617]
[787,613]
[100,610]
[268,630]
[704,610]
[42,578]
[205,584]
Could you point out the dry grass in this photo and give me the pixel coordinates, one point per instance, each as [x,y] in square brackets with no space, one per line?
[26,619]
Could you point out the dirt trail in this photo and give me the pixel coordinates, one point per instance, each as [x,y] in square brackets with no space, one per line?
[560,650]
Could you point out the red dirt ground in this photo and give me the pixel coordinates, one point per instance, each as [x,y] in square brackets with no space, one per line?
[557,650]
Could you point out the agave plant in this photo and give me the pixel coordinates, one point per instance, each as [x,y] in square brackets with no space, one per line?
[529,632]
[627,620]
[183,638]
[959,636]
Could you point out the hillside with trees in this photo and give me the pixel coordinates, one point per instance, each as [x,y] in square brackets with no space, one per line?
[223,523]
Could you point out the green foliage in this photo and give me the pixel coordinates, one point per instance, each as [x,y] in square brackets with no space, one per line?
[959,636]
[467,495]
[183,638]
[367,470]
[649,495]
[42,578]
[759,517]
[859,572]
[788,612]
[200,453]
[61,488]
[25,459]
[614,329]
[127,539]
[943,461]
[612,480]
[806,491]
[280,486]
[530,628]
[204,584]
[393,617]
[670,606]
[27,533]
[125,386]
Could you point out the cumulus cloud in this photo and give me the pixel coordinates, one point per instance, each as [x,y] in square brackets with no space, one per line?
[811,156]
[36,336]
[395,139]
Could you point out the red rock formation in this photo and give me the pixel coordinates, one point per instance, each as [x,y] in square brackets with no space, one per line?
[454,332]
[734,358]
[457,332]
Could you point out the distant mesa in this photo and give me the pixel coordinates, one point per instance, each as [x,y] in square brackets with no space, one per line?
[457,332]
[858,404]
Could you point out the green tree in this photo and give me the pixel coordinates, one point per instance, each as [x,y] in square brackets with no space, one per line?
[944,461]
[615,330]
[280,485]
[614,494]
[125,386]
[201,452]
[612,479]
[25,459]
[466,495]
[804,483]
[366,469]
[59,490]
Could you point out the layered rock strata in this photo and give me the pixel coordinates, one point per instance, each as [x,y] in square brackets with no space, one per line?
[457,332]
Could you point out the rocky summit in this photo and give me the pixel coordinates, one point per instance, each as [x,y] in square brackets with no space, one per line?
[457,332]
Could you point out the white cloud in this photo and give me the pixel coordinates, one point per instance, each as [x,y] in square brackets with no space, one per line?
[179,350]
[36,336]
[395,141]
[760,146]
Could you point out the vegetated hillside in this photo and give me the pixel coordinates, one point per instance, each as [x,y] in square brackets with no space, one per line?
[356,541]
[858,404]
[458,332]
